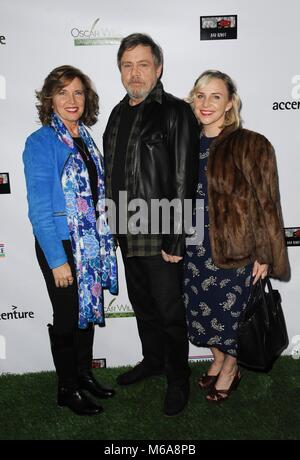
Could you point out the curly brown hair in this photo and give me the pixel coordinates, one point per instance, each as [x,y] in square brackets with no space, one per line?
[54,82]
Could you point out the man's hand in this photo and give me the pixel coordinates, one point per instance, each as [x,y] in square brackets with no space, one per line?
[169,258]
[63,275]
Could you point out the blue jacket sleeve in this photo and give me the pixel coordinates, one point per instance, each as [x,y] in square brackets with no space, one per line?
[39,168]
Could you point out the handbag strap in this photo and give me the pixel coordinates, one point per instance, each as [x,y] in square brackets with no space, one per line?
[262,285]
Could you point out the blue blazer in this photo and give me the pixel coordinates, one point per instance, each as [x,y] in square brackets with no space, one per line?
[44,158]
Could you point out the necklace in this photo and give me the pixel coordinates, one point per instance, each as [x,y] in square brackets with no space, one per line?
[83,151]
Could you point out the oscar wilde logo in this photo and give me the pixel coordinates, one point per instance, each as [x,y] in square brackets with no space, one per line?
[95,36]
[15,314]
[2,87]
[118,310]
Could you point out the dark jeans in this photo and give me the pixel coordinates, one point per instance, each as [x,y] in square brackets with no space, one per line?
[154,290]
[72,348]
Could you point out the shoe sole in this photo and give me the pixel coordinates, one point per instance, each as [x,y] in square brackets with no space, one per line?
[63,406]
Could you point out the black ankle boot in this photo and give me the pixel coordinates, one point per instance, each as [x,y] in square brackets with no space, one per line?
[77,402]
[88,382]
[84,349]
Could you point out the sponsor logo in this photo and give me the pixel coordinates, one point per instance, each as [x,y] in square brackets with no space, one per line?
[296,347]
[2,250]
[15,314]
[2,40]
[99,363]
[4,183]
[292,236]
[115,310]
[95,35]
[2,87]
[296,87]
[218,27]
[294,104]
[286,105]
[2,347]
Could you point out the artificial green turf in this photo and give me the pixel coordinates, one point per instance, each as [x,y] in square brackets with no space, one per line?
[265,406]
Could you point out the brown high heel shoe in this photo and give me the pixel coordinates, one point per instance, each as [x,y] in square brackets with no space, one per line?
[219,396]
[206,382]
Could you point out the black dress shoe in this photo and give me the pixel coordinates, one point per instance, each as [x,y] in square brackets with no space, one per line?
[89,383]
[176,399]
[77,402]
[137,373]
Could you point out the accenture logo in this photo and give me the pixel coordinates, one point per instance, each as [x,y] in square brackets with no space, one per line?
[95,36]
[16,315]
[294,104]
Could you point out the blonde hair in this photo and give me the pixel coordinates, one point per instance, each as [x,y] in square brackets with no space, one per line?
[232,116]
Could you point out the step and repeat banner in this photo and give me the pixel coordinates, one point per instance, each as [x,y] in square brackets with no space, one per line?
[255,42]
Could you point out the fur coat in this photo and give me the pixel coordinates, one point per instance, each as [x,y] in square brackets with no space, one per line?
[244,203]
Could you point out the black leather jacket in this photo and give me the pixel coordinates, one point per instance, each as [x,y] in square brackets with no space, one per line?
[164,154]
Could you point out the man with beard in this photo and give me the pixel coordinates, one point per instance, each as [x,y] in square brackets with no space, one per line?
[151,148]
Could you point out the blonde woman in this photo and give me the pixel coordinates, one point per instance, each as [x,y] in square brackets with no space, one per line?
[243,234]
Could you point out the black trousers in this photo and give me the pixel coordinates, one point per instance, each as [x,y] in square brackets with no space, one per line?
[72,348]
[154,290]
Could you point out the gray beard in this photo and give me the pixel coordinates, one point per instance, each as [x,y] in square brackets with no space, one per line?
[138,94]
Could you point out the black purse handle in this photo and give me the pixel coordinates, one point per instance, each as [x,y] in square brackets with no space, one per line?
[262,286]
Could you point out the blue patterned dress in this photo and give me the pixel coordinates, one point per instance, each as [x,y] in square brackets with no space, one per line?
[214,297]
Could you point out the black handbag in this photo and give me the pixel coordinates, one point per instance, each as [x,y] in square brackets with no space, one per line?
[262,334]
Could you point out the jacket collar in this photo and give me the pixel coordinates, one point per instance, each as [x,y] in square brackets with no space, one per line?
[226,132]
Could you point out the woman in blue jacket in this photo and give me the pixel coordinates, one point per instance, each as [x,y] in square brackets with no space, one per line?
[74,246]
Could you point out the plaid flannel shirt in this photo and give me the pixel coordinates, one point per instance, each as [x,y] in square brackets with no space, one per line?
[140,244]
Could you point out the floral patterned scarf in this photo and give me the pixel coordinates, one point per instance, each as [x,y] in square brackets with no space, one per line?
[92,242]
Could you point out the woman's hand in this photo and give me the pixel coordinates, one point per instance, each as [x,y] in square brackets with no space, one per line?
[169,258]
[259,271]
[63,275]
